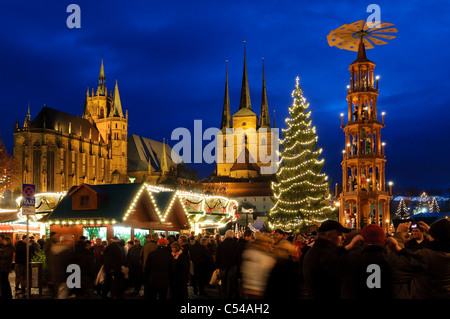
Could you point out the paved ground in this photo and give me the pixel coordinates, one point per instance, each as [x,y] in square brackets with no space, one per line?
[210,292]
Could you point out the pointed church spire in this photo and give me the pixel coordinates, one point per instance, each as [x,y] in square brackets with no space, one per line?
[116,108]
[164,167]
[101,90]
[226,115]
[274,123]
[245,91]
[86,111]
[264,118]
[27,117]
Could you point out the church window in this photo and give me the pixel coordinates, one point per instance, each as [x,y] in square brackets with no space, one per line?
[102,112]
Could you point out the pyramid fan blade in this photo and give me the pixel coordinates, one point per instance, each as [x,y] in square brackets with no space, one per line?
[371,24]
[377,41]
[384,36]
[368,44]
[391,30]
[358,24]
[381,25]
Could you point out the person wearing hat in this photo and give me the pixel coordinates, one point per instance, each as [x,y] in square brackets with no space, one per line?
[114,258]
[432,279]
[157,271]
[320,282]
[151,243]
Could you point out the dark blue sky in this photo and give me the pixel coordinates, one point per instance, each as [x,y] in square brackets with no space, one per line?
[169,60]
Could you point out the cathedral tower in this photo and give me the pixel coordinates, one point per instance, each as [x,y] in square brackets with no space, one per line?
[245,144]
[106,113]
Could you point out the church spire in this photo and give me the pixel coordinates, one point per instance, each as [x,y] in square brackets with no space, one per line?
[264,118]
[116,108]
[245,91]
[101,90]
[226,115]
[164,167]
[86,111]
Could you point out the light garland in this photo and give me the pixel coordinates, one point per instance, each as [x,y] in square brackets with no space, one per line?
[228,207]
[299,177]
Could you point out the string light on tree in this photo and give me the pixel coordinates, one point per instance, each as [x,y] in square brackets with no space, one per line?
[300,192]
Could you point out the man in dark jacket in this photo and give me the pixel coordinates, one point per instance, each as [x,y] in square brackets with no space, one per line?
[113,260]
[321,283]
[158,268]
[6,258]
[82,257]
[134,263]
[202,260]
[227,259]
[418,240]
[20,265]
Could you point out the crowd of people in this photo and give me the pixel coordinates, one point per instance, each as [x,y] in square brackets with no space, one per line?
[332,263]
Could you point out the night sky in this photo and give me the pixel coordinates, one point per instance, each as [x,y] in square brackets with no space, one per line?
[169,60]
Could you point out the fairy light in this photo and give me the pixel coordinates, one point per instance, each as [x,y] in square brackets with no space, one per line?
[300,187]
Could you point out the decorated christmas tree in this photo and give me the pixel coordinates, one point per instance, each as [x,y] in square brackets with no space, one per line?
[434,206]
[402,210]
[300,192]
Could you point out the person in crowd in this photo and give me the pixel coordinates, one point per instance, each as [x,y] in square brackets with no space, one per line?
[180,273]
[41,242]
[279,235]
[20,265]
[432,280]
[83,257]
[151,243]
[418,240]
[243,243]
[257,263]
[299,243]
[202,261]
[185,246]
[134,263]
[157,272]
[60,258]
[114,259]
[227,259]
[319,282]
[97,253]
[284,271]
[6,258]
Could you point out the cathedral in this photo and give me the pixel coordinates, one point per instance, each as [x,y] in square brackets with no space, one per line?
[245,143]
[57,150]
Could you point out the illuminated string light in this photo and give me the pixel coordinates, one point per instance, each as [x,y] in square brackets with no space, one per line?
[300,190]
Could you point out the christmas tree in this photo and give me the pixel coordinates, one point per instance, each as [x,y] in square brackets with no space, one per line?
[300,192]
[434,206]
[402,210]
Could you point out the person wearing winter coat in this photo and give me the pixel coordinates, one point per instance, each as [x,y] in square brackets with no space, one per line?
[114,259]
[257,263]
[83,257]
[432,280]
[157,272]
[134,263]
[180,273]
[227,261]
[6,258]
[203,261]
[149,246]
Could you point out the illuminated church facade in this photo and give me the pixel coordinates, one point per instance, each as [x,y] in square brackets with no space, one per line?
[57,150]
